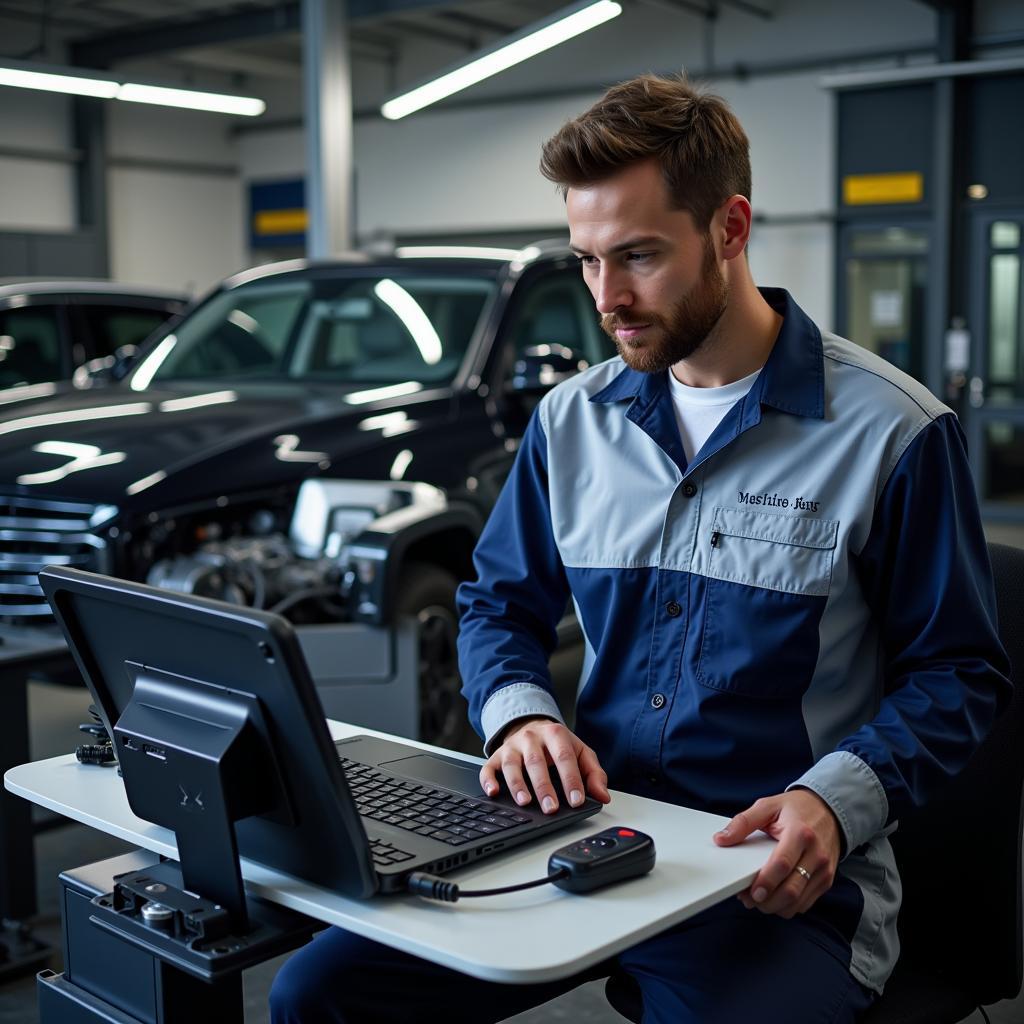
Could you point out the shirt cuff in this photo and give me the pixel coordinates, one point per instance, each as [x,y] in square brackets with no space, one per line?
[852,791]
[516,700]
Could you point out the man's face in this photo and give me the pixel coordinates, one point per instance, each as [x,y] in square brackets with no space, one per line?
[654,277]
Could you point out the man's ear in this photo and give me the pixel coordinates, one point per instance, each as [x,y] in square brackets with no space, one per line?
[733,218]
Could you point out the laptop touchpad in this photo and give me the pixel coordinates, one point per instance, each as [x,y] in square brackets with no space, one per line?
[427,768]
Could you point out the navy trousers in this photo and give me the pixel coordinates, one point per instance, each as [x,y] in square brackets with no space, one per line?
[727,965]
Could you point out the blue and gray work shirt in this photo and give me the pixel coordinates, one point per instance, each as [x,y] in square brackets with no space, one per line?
[808,603]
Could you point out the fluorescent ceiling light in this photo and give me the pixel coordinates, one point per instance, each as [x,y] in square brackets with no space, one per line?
[25,75]
[473,252]
[416,322]
[401,464]
[145,482]
[79,456]
[198,401]
[56,82]
[409,387]
[535,38]
[148,367]
[218,103]
[76,416]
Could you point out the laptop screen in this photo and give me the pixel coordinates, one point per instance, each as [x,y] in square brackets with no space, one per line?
[170,671]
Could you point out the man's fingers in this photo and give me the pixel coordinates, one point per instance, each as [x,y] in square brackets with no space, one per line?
[489,776]
[536,763]
[526,758]
[564,757]
[786,896]
[512,769]
[758,816]
[780,870]
[596,777]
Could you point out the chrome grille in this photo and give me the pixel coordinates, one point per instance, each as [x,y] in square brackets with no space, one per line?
[35,533]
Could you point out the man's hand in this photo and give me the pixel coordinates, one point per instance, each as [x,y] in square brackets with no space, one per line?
[809,839]
[533,745]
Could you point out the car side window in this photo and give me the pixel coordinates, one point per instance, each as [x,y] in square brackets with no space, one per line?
[29,346]
[559,310]
[112,327]
[390,329]
[250,338]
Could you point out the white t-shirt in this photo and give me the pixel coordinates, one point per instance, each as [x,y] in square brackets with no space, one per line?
[700,410]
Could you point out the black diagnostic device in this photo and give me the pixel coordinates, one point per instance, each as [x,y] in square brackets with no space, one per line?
[610,856]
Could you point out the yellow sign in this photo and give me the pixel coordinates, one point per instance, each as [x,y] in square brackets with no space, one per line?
[280,222]
[864,189]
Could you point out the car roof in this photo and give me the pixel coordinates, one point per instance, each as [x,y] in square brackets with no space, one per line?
[448,256]
[10,286]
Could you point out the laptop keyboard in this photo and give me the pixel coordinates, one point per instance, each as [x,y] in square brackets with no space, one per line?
[422,810]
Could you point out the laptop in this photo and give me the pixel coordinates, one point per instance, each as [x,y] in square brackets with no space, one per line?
[358,816]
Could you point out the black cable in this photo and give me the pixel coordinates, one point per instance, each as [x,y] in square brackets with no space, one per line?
[981,1010]
[433,888]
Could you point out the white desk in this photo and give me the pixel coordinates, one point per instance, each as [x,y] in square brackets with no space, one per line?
[536,935]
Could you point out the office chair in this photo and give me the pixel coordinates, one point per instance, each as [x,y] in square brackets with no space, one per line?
[960,861]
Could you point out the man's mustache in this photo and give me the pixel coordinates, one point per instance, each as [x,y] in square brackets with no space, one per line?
[611,322]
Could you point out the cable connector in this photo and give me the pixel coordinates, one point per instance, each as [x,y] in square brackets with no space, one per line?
[95,753]
[422,884]
[433,888]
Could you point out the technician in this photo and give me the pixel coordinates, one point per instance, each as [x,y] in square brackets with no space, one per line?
[772,542]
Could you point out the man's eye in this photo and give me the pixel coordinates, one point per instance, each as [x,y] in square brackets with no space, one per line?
[639,257]
[587,261]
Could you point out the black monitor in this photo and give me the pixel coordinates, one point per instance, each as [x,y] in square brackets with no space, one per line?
[219,733]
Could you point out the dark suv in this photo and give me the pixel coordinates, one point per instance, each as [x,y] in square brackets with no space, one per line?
[321,439]
[50,329]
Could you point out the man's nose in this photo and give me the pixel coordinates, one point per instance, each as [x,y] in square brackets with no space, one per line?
[610,292]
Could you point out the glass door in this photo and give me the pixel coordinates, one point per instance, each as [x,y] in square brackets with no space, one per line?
[995,386]
[883,274]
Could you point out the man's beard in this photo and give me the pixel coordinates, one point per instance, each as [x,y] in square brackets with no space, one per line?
[682,332]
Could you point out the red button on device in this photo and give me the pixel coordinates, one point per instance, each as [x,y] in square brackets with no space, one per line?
[626,832]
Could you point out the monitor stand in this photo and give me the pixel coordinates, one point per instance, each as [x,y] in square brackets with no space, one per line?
[121,968]
[197,759]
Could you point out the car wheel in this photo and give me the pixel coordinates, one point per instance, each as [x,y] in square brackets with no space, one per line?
[427,593]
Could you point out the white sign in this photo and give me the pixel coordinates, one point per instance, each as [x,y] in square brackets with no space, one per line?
[886,309]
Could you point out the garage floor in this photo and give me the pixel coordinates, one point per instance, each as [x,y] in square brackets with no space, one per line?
[55,712]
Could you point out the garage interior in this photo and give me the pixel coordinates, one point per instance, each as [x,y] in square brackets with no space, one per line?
[835,97]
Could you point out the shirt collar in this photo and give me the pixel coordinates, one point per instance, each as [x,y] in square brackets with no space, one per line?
[793,378]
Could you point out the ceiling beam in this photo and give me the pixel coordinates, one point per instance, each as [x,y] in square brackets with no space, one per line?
[225,59]
[757,10]
[482,24]
[440,35]
[166,35]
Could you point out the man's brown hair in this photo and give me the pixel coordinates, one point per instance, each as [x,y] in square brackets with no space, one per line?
[701,146]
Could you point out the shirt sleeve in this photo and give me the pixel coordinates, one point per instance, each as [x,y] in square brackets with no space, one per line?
[926,576]
[510,613]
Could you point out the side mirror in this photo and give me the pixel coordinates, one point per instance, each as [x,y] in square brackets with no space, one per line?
[541,367]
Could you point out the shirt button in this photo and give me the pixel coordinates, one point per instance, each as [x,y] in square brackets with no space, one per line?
[658,701]
[674,609]
[689,489]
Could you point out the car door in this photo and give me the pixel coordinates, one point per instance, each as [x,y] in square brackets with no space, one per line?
[104,325]
[550,331]
[31,347]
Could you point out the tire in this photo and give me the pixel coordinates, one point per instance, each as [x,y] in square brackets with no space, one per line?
[427,593]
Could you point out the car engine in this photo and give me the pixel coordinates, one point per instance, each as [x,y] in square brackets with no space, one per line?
[307,574]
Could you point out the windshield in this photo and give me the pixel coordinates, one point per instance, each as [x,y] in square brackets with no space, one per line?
[353,329]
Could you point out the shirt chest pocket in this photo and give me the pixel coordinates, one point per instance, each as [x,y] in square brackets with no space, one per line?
[790,554]
[766,586]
